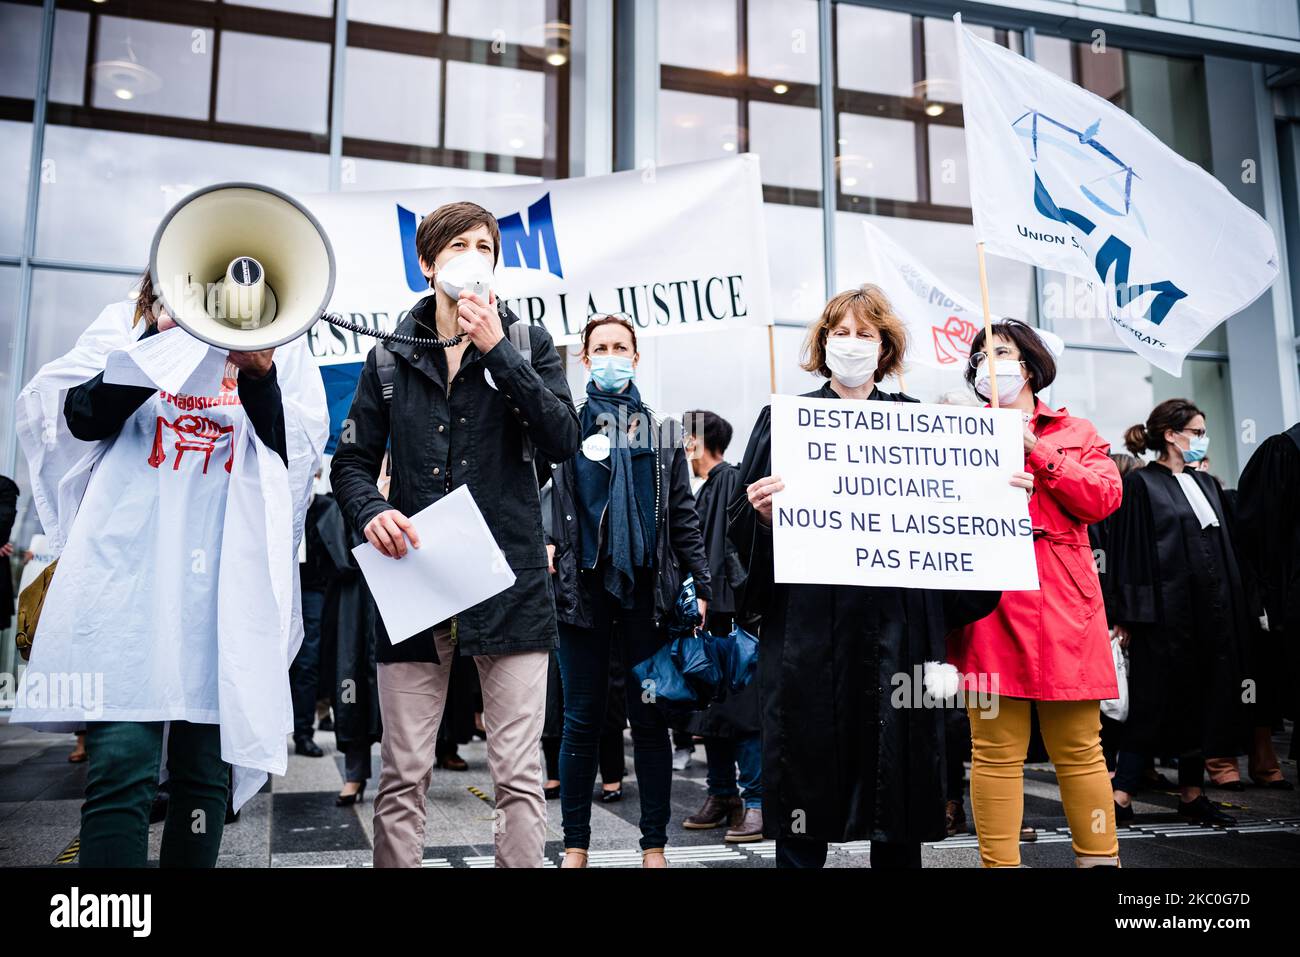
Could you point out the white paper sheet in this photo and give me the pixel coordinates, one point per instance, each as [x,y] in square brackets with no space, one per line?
[174,361]
[457,565]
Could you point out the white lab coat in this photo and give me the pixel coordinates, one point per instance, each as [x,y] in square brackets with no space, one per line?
[258,619]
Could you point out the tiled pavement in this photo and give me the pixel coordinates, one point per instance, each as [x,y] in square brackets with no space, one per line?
[294,823]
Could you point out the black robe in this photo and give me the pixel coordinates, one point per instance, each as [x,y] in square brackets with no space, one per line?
[1177,588]
[347,672]
[738,714]
[8,512]
[840,763]
[1268,523]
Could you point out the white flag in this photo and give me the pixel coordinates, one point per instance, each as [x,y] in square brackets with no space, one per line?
[940,323]
[1065,180]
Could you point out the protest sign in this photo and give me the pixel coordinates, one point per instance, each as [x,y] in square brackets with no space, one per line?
[899,494]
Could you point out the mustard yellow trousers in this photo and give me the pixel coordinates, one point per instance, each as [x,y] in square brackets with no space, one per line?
[999,742]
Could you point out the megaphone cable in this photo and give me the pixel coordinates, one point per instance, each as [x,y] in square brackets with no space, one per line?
[333,318]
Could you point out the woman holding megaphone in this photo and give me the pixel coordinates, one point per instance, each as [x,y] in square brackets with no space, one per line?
[168,627]
[840,763]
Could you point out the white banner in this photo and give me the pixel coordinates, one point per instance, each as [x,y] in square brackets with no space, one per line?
[899,494]
[679,248]
[940,323]
[1066,180]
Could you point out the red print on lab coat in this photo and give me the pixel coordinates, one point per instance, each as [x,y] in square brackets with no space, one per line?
[194,433]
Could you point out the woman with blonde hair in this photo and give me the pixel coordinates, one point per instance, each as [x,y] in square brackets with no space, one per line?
[839,762]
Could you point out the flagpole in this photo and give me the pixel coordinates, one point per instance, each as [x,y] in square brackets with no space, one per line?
[988,329]
[771,356]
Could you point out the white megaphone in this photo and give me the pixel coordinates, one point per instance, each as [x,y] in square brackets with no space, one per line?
[242,267]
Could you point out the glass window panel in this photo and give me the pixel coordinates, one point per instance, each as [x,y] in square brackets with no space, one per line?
[68,68]
[270,81]
[873,50]
[15,158]
[1115,390]
[493,109]
[409,14]
[783,40]
[949,183]
[795,261]
[358,174]
[113,188]
[145,67]
[698,33]
[1275,18]
[8,325]
[786,137]
[942,75]
[391,96]
[514,21]
[1055,54]
[20,48]
[695,127]
[319,8]
[877,157]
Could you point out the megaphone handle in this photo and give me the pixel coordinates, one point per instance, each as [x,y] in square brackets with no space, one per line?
[335,319]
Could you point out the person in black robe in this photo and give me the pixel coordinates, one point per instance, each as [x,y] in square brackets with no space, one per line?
[347,646]
[1175,597]
[8,512]
[1268,515]
[730,728]
[840,763]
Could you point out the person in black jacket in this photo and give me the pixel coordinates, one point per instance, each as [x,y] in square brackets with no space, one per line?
[626,535]
[730,728]
[476,414]
[839,762]
[8,512]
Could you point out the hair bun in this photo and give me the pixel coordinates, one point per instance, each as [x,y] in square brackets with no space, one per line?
[1135,439]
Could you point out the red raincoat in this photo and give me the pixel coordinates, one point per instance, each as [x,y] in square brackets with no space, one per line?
[1052,644]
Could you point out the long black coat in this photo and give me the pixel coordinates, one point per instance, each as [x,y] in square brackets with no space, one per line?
[469,434]
[840,763]
[1178,590]
[738,714]
[347,630]
[8,512]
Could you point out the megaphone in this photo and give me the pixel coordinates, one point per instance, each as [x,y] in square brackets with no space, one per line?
[242,267]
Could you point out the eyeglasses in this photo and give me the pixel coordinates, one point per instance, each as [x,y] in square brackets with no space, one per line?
[977,359]
[1195,433]
[622,317]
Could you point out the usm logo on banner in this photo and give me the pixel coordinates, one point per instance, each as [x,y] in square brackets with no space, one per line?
[523,244]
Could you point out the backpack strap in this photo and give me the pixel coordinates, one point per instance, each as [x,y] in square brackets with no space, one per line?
[386,366]
[517,332]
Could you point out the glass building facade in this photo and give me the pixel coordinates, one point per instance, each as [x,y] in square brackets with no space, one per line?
[111,111]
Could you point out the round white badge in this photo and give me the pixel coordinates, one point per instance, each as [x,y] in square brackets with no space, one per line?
[596,447]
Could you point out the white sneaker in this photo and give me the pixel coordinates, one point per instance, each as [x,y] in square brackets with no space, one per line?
[682,759]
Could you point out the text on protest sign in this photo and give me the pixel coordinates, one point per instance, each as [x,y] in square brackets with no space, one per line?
[899,494]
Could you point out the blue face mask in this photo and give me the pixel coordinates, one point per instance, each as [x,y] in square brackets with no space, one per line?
[1197,449]
[611,373]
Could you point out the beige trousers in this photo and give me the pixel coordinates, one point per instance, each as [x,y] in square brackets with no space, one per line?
[411,699]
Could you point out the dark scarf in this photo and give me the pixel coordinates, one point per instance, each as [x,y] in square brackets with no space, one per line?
[629,523]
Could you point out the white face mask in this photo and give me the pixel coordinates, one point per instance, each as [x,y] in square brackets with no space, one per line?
[1010,380]
[852,360]
[459,271]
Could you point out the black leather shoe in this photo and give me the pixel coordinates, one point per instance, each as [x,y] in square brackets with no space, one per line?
[307,748]
[347,800]
[610,797]
[1237,785]
[1123,815]
[452,762]
[1205,811]
[552,793]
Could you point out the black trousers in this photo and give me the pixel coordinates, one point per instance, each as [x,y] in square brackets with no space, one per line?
[801,852]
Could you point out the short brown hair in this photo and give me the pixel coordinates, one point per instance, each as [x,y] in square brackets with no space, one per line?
[605,319]
[869,303]
[1039,362]
[447,222]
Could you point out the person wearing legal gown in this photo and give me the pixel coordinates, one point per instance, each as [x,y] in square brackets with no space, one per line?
[839,762]
[1175,597]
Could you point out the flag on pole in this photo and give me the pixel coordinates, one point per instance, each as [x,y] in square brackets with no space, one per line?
[1065,180]
[940,322]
